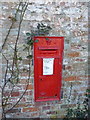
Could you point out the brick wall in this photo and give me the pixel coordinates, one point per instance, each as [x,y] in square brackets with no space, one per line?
[67,19]
[0,63]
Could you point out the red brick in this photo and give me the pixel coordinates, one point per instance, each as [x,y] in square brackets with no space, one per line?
[46,107]
[23,81]
[25,74]
[14,94]
[81,60]
[23,105]
[6,93]
[14,110]
[68,67]
[20,105]
[28,93]
[30,87]
[35,114]
[83,88]
[51,112]
[33,109]
[62,3]
[73,54]
[72,78]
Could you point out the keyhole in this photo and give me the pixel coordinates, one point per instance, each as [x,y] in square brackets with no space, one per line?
[55,94]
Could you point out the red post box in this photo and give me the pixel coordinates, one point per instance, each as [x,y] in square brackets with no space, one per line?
[48,55]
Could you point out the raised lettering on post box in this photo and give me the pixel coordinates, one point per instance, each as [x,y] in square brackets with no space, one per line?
[48,56]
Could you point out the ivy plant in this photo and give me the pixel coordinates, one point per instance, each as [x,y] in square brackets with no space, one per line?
[41,30]
[79,112]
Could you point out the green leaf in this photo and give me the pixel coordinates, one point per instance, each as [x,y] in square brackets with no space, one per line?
[33,34]
[49,27]
[47,38]
[28,38]
[14,19]
[30,42]
[20,58]
[36,41]
[38,26]
[88,95]
[88,90]
[29,56]
[28,34]
[24,69]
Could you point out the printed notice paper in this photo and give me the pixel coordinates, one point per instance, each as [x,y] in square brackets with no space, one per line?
[48,64]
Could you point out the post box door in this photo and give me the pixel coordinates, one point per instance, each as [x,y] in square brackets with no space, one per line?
[47,72]
[48,84]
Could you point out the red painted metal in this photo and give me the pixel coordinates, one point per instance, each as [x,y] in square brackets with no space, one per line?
[48,87]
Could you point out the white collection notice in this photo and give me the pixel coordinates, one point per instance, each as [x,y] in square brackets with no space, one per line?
[48,64]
